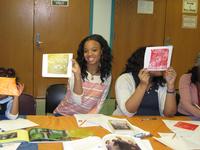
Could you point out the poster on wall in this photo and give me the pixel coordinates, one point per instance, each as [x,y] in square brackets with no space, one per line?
[189,21]
[190,6]
[64,3]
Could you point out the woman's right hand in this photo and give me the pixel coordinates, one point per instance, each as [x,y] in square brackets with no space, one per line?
[144,77]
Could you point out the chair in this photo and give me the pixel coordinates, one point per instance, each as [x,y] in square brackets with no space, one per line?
[27,104]
[54,94]
[108,107]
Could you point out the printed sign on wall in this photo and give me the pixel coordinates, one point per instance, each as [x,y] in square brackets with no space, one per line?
[190,6]
[60,3]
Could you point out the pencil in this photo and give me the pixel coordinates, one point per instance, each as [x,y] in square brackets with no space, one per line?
[197,106]
[82,122]
[174,136]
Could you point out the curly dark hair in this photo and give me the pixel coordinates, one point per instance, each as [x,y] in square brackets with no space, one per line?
[195,71]
[105,60]
[7,72]
[136,62]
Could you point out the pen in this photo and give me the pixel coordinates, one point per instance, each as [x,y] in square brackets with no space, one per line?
[142,135]
[143,119]
[197,106]
[174,136]
[82,122]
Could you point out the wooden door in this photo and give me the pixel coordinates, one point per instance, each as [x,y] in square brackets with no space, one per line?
[61,29]
[16,39]
[186,41]
[133,30]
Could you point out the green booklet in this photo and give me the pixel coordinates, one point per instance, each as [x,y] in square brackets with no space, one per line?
[42,135]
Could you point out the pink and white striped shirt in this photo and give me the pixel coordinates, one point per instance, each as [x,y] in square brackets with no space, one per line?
[90,101]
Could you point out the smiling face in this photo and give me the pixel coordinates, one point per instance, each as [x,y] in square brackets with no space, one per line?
[92,52]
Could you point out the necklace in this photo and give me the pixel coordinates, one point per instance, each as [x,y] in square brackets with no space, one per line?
[93,74]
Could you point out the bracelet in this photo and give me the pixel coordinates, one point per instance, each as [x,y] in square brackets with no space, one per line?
[171,91]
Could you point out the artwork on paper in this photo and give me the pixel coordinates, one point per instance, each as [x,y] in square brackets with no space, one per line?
[57,65]
[157,58]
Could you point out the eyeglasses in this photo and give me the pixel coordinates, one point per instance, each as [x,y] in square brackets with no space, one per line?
[7,72]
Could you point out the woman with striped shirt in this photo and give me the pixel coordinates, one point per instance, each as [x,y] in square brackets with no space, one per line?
[89,85]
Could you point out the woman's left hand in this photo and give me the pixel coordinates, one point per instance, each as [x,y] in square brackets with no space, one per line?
[20,88]
[170,77]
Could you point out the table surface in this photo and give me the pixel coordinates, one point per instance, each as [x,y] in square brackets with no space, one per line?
[154,126]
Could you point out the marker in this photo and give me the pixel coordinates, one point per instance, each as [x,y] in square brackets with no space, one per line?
[142,135]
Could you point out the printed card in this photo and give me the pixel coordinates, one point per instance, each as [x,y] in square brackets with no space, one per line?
[185,125]
[157,58]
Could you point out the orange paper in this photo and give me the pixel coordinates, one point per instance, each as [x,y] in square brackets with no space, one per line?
[8,86]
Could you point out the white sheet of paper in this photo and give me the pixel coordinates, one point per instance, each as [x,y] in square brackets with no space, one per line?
[86,120]
[144,144]
[19,123]
[157,58]
[89,143]
[10,146]
[177,142]
[96,143]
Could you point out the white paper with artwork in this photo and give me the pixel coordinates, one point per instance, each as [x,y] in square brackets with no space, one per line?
[108,142]
[158,58]
[57,65]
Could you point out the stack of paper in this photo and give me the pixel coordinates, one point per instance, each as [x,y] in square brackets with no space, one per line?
[87,120]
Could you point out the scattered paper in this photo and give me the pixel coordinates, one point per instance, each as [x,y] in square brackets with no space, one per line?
[88,120]
[188,136]
[107,143]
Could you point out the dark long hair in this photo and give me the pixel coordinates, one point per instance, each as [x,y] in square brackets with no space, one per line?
[136,62]
[195,71]
[7,72]
[105,60]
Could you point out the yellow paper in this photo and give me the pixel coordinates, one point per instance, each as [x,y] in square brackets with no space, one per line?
[8,86]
